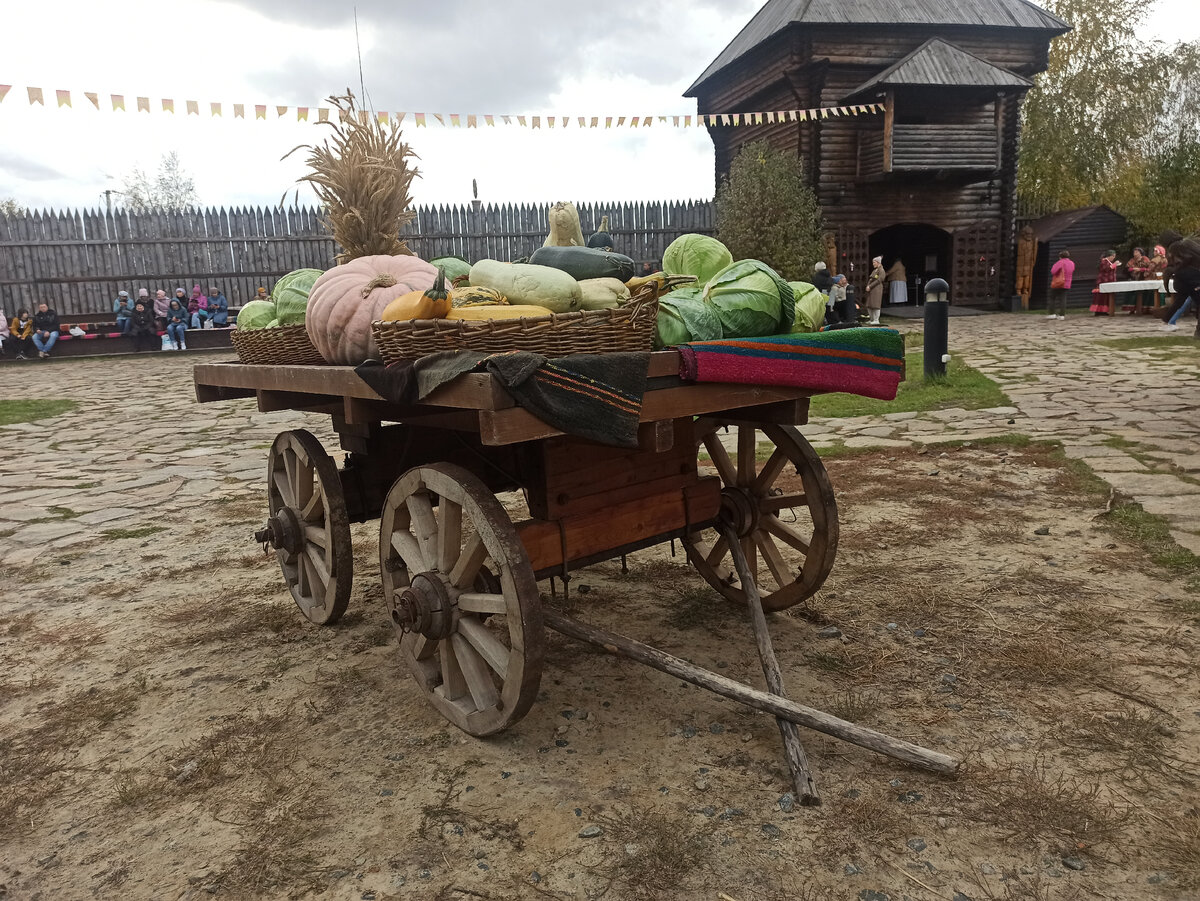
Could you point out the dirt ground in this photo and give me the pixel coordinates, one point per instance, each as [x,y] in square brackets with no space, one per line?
[171,727]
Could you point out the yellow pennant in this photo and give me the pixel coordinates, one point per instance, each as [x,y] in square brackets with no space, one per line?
[168,106]
[382,117]
[521,121]
[550,121]
[491,121]
[608,121]
[455,120]
[260,111]
[420,117]
[64,98]
[302,114]
[214,109]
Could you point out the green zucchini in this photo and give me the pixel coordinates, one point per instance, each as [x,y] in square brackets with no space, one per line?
[586,262]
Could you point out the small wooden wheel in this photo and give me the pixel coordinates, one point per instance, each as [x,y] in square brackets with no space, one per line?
[766,512]
[309,528]
[462,597]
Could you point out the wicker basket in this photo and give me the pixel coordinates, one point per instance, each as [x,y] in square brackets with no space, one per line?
[629,327]
[287,346]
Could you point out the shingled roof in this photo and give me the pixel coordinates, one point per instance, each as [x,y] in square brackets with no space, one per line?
[939,63]
[778,15]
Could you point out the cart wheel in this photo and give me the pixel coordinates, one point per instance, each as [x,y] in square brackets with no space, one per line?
[462,597]
[766,515]
[308,528]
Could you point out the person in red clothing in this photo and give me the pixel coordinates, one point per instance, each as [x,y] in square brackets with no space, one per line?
[1061,274]
[1108,273]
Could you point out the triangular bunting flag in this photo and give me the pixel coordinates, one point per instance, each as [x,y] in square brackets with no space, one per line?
[193,108]
[687,121]
[239,111]
[456,120]
[506,119]
[260,111]
[4,89]
[549,121]
[420,117]
[490,121]
[472,121]
[537,121]
[280,111]
[674,121]
[168,106]
[64,98]
[521,121]
[302,114]
[93,97]
[382,118]
[620,121]
[143,104]
[800,115]
[608,121]
[724,119]
[595,122]
[214,109]
[400,118]
[35,96]
[323,114]
[438,116]
[633,121]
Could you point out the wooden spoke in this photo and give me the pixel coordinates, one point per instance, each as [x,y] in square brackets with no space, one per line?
[720,458]
[304,494]
[475,670]
[425,526]
[474,602]
[467,567]
[753,499]
[773,559]
[449,534]
[747,449]
[770,472]
[488,645]
[785,534]
[775,502]
[487,673]
[454,685]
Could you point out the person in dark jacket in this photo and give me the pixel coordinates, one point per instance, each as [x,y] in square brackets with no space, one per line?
[1185,255]
[143,328]
[218,308]
[45,329]
[177,323]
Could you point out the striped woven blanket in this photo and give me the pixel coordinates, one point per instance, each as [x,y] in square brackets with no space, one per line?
[865,361]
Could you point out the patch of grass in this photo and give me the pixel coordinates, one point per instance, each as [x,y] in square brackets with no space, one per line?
[1129,522]
[962,386]
[63,512]
[139,532]
[1178,843]
[14,411]
[1151,342]
[650,853]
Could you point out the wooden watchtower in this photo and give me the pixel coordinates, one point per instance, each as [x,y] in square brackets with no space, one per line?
[931,181]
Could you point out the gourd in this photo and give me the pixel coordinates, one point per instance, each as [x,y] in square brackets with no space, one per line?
[639,282]
[475,296]
[432,303]
[603,293]
[348,298]
[523,283]
[484,313]
[601,239]
[565,230]
[457,269]
[585,262]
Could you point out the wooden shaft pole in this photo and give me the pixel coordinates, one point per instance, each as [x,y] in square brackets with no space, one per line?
[752,697]
[802,777]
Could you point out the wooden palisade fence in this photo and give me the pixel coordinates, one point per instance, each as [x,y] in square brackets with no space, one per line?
[77,261]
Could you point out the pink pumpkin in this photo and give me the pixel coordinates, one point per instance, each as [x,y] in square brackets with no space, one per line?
[345,301]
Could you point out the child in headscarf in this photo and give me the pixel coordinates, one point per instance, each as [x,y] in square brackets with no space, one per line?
[197,308]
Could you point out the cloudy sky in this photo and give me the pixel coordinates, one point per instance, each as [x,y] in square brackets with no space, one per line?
[465,56]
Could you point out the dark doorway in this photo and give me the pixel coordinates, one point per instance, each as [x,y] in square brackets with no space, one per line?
[924,250]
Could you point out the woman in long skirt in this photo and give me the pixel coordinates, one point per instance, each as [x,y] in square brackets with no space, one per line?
[1108,273]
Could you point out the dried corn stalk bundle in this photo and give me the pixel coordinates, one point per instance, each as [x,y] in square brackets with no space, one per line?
[361,174]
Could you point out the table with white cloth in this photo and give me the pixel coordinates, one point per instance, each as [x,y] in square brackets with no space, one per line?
[1112,289]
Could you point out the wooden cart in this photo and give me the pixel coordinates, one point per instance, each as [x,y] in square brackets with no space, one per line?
[460,577]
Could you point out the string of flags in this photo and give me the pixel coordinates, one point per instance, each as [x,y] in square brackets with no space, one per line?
[117,103]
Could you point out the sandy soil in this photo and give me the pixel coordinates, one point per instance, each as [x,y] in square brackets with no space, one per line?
[170,727]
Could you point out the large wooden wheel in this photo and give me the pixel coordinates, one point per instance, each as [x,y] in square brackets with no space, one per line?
[462,597]
[781,507]
[308,527]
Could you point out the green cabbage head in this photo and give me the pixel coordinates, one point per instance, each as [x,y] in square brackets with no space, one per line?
[255,315]
[751,300]
[697,255]
[810,307]
[683,316]
[291,295]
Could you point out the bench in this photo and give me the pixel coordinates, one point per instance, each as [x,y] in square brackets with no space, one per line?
[103,338]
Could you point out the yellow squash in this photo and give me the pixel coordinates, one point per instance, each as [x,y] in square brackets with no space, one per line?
[432,303]
[483,313]
[473,296]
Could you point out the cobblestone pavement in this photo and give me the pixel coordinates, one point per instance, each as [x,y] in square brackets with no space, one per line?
[139,441]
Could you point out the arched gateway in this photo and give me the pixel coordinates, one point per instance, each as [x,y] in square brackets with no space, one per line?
[950,78]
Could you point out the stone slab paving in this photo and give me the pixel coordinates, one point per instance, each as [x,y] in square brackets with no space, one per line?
[1133,415]
[1065,385]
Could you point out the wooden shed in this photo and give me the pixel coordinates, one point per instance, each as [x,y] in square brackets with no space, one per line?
[931,181]
[1086,233]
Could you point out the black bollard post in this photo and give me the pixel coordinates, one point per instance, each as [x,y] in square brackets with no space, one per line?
[937,326]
